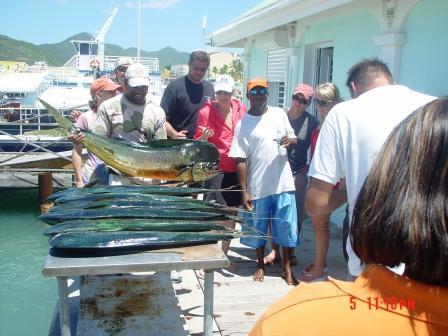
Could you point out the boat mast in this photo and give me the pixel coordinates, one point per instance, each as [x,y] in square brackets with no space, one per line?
[138,33]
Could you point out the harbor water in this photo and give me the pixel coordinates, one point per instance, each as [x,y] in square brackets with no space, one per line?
[27,298]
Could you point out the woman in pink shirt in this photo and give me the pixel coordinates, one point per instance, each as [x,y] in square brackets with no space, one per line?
[216,124]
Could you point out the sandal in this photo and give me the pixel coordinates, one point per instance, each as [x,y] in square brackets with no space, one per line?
[308,269]
[313,277]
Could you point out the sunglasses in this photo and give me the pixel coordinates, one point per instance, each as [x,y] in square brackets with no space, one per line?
[300,100]
[322,103]
[258,92]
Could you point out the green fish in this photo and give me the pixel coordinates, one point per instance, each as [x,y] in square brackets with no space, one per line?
[169,159]
[129,224]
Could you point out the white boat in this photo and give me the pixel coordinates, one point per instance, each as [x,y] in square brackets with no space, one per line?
[66,88]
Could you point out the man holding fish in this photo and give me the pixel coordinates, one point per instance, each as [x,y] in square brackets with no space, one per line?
[131,116]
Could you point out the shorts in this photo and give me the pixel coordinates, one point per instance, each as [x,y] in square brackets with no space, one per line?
[281,208]
[230,197]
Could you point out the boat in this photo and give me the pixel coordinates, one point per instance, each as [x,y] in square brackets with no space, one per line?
[24,121]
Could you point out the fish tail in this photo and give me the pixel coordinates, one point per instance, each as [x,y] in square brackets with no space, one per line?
[63,122]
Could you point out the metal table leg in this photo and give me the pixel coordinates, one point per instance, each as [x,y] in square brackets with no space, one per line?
[208,302]
[64,307]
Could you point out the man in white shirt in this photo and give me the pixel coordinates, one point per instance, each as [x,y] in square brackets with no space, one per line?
[352,135]
[265,176]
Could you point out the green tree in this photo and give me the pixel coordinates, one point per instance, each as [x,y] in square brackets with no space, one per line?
[236,70]
[224,70]
[215,71]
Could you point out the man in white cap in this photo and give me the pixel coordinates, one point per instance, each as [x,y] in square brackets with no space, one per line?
[121,66]
[131,116]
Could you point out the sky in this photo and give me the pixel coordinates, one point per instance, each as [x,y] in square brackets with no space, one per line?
[175,23]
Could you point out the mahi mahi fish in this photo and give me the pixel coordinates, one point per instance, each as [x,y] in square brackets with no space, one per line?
[166,159]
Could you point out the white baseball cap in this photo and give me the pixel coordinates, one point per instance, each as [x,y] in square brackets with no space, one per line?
[137,75]
[123,61]
[224,83]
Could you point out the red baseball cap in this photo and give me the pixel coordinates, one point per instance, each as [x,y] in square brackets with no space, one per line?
[103,84]
[305,90]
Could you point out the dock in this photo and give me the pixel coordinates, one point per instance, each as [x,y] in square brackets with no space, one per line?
[238,299]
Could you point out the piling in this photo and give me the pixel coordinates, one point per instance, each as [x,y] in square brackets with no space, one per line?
[45,181]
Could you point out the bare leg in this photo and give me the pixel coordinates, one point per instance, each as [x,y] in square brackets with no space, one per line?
[225,244]
[286,265]
[321,230]
[259,274]
[301,184]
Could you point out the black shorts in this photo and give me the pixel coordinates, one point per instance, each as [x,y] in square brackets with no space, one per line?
[230,197]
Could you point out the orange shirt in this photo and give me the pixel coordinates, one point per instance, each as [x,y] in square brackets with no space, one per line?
[379,302]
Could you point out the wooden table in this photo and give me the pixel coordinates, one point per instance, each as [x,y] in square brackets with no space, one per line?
[208,257]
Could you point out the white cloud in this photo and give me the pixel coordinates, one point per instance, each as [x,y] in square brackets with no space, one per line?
[154,4]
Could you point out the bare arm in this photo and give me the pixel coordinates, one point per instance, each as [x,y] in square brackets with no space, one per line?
[77,164]
[321,199]
[241,171]
[172,133]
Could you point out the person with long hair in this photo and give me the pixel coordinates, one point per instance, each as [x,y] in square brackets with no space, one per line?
[326,96]
[400,216]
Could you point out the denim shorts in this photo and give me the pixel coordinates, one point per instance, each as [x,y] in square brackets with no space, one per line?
[281,208]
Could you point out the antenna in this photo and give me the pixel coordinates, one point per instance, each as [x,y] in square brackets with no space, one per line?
[204,27]
[138,33]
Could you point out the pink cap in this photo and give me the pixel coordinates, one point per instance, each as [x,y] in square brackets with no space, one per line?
[305,90]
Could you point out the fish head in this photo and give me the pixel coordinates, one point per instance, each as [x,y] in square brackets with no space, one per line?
[204,170]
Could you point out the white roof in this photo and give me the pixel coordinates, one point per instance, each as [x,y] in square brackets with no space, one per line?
[65,98]
[21,81]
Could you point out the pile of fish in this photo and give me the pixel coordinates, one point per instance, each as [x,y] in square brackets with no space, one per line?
[165,159]
[123,219]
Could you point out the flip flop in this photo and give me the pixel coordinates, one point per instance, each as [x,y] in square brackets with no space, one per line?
[306,271]
[295,281]
[313,278]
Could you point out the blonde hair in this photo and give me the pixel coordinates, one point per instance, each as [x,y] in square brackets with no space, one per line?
[329,92]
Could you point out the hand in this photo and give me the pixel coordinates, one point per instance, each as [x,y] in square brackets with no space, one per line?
[246,201]
[76,138]
[181,134]
[74,115]
[206,133]
[79,184]
[286,142]
[303,170]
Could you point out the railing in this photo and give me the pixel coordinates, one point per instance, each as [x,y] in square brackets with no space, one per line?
[17,121]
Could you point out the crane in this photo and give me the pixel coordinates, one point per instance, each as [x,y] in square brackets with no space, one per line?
[102,34]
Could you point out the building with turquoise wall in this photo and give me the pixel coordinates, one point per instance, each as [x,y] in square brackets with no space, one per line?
[314,41]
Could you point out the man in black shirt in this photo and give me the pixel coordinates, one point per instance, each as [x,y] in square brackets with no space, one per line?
[185,96]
